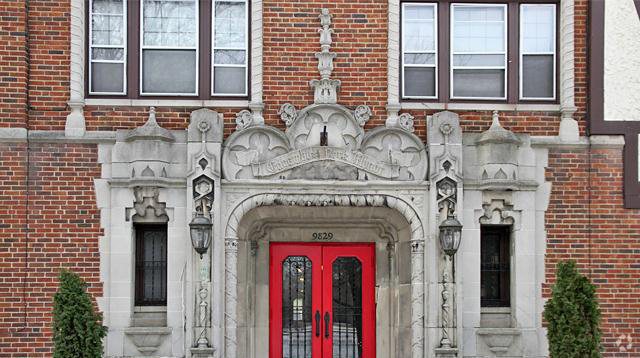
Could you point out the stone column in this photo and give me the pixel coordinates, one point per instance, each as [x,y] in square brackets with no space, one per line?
[417,298]
[231,296]
[569,130]
[393,60]
[75,125]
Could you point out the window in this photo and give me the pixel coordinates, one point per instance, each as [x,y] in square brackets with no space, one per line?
[230,47]
[495,268]
[168,48]
[537,51]
[477,51]
[419,50]
[151,265]
[107,47]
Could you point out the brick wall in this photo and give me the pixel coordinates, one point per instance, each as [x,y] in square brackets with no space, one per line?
[586,222]
[64,228]
[13,64]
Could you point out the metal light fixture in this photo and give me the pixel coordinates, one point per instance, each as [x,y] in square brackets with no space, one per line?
[200,228]
[450,234]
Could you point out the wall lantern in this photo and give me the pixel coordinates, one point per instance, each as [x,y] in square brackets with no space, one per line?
[450,234]
[200,228]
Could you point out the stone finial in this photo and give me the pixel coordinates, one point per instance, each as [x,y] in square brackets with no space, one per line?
[150,130]
[325,89]
[497,134]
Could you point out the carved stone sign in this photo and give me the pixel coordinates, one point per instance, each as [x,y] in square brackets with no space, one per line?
[312,154]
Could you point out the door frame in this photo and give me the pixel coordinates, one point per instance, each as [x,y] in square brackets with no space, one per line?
[322,276]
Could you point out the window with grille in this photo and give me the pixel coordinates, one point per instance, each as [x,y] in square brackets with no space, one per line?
[151,265]
[495,257]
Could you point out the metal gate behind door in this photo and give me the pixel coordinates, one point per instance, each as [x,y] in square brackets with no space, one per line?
[322,300]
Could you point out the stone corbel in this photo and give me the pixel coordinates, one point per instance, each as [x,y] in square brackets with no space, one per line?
[147,206]
[499,341]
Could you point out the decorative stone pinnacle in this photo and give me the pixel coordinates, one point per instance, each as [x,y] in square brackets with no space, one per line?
[495,123]
[325,89]
[151,130]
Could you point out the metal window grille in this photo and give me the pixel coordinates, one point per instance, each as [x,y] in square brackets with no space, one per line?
[151,265]
[495,266]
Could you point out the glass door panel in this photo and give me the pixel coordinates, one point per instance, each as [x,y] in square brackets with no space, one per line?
[347,307]
[295,301]
[348,280]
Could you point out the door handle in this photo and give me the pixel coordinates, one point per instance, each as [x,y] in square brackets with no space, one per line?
[326,324]
[317,323]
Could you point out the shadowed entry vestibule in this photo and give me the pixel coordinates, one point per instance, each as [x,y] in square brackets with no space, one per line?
[322,300]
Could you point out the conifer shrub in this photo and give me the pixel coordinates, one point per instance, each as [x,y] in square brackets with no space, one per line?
[572,315]
[77,328]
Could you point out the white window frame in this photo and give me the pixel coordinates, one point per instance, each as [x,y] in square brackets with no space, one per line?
[522,54]
[214,48]
[505,52]
[196,47]
[123,46]
[434,52]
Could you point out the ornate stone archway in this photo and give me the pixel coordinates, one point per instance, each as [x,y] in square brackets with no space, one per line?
[417,242]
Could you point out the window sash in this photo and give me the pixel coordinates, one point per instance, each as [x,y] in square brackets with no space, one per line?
[505,22]
[182,48]
[434,52]
[123,46]
[244,48]
[524,53]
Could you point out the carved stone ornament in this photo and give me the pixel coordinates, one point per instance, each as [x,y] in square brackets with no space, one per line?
[444,138]
[447,197]
[498,212]
[205,125]
[405,121]
[325,141]
[147,205]
[244,120]
[362,114]
[325,89]
[288,113]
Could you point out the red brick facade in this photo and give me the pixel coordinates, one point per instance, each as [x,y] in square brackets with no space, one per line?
[48,213]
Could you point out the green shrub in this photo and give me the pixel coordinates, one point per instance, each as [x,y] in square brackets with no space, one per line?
[77,331]
[573,315]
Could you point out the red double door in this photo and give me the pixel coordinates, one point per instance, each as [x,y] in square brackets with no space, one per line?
[322,300]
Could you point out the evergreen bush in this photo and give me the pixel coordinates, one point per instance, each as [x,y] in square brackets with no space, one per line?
[77,328]
[573,315]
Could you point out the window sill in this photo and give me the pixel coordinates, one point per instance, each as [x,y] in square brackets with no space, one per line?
[521,107]
[242,103]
